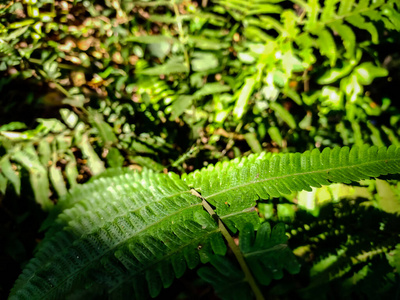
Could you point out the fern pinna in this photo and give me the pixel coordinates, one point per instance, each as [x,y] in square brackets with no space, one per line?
[132,233]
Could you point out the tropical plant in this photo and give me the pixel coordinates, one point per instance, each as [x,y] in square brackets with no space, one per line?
[130,234]
[177,85]
[268,72]
[247,64]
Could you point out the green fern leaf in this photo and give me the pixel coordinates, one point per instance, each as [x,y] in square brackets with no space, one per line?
[226,278]
[38,175]
[362,5]
[267,254]
[132,234]
[327,46]
[7,169]
[360,22]
[335,14]
[392,20]
[345,7]
[329,10]
[348,37]
[312,13]
[108,245]
[233,187]
[248,8]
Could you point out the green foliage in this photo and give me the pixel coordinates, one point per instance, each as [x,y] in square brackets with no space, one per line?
[310,69]
[43,153]
[348,265]
[91,90]
[118,234]
[267,255]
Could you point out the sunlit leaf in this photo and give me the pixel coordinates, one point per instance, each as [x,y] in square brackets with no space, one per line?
[211,88]
[207,43]
[327,46]
[275,135]
[160,50]
[44,152]
[244,96]
[180,105]
[71,171]
[57,180]
[367,72]
[284,114]
[151,39]
[3,184]
[12,126]
[165,69]
[94,162]
[252,141]
[348,37]
[8,171]
[204,61]
[334,74]
[387,198]
[360,22]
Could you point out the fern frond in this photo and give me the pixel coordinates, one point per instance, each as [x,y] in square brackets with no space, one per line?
[226,278]
[233,187]
[267,253]
[338,15]
[135,232]
[99,191]
[154,232]
[339,242]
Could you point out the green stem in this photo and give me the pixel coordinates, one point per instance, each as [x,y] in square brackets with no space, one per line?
[182,38]
[235,249]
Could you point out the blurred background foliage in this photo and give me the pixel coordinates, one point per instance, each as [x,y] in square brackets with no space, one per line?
[175,85]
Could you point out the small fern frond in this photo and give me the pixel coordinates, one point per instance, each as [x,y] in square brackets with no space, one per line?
[338,243]
[233,187]
[335,17]
[267,253]
[226,278]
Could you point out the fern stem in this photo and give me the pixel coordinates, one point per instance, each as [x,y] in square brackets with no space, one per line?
[181,32]
[235,249]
